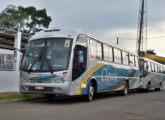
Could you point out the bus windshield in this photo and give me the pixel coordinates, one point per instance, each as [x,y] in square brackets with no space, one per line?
[47,55]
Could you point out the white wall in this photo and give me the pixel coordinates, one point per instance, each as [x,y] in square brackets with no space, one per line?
[9,81]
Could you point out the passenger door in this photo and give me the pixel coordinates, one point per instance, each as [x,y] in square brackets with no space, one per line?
[80,57]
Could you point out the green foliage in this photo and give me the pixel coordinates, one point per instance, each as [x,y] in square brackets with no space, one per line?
[12,18]
[29,20]
[150,51]
[37,19]
[21,96]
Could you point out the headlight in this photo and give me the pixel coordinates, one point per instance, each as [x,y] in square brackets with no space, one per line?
[59,80]
[24,80]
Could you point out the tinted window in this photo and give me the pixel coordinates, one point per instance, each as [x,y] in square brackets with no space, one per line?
[99,51]
[117,55]
[136,61]
[93,48]
[131,60]
[125,58]
[106,52]
[152,67]
[149,66]
[156,68]
[110,54]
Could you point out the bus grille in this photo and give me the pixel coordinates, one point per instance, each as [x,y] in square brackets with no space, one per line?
[41,81]
[46,89]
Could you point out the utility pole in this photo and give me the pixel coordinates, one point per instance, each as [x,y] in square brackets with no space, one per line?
[117,41]
[139,44]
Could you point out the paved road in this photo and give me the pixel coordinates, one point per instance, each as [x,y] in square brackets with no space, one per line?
[136,106]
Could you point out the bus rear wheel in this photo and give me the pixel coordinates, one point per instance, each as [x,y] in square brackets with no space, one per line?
[149,87]
[91,90]
[159,88]
[126,89]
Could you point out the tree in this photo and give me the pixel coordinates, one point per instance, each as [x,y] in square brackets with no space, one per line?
[150,51]
[12,18]
[37,19]
[29,20]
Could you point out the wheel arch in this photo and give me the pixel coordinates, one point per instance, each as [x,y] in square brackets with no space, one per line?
[94,83]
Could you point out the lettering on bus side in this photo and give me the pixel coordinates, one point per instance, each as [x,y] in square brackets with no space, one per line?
[107,76]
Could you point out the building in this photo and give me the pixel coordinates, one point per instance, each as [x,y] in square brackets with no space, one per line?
[11,45]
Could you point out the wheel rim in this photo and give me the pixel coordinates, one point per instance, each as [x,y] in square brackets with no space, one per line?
[149,86]
[125,90]
[160,87]
[91,92]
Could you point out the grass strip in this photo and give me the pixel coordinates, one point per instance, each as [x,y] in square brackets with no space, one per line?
[21,96]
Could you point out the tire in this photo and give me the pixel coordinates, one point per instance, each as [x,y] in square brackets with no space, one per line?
[91,91]
[159,88]
[126,90]
[149,87]
[50,97]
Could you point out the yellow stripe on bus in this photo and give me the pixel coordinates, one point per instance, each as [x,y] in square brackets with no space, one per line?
[86,77]
[121,88]
[130,81]
[148,79]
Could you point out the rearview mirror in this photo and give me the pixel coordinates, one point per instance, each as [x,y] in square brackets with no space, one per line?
[80,56]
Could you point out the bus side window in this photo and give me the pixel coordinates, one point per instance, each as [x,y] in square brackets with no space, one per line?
[92,49]
[110,54]
[161,69]
[106,52]
[156,68]
[117,56]
[145,66]
[131,60]
[99,51]
[125,58]
[136,61]
[149,66]
[80,57]
[152,67]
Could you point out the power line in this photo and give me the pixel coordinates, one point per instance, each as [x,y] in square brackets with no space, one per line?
[136,38]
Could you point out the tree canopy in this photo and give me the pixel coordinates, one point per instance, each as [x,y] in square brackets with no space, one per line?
[28,20]
[150,51]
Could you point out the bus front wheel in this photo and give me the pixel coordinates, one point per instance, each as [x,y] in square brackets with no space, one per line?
[90,95]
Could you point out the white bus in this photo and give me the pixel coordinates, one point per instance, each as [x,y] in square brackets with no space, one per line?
[69,62]
[152,74]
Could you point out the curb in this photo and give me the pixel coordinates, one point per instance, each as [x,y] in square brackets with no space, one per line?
[11,101]
[19,100]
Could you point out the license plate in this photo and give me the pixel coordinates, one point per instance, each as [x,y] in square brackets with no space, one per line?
[39,88]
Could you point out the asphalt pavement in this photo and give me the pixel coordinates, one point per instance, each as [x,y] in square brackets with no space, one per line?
[136,106]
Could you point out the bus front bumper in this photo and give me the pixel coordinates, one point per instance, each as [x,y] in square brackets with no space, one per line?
[62,88]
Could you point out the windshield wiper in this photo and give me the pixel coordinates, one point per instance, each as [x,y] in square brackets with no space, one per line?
[37,59]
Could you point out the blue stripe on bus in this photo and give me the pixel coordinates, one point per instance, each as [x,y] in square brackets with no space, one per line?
[105,84]
[42,77]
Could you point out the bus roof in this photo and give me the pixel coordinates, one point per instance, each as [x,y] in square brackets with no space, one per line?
[72,33]
[146,59]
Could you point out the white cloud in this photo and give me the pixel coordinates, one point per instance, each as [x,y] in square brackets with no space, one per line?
[128,37]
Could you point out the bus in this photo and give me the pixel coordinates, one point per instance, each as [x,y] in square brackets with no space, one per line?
[152,74]
[70,62]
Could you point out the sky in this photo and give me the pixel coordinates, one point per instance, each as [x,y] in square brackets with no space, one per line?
[107,19]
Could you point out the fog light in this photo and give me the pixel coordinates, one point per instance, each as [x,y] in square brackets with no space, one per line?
[57,89]
[24,88]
